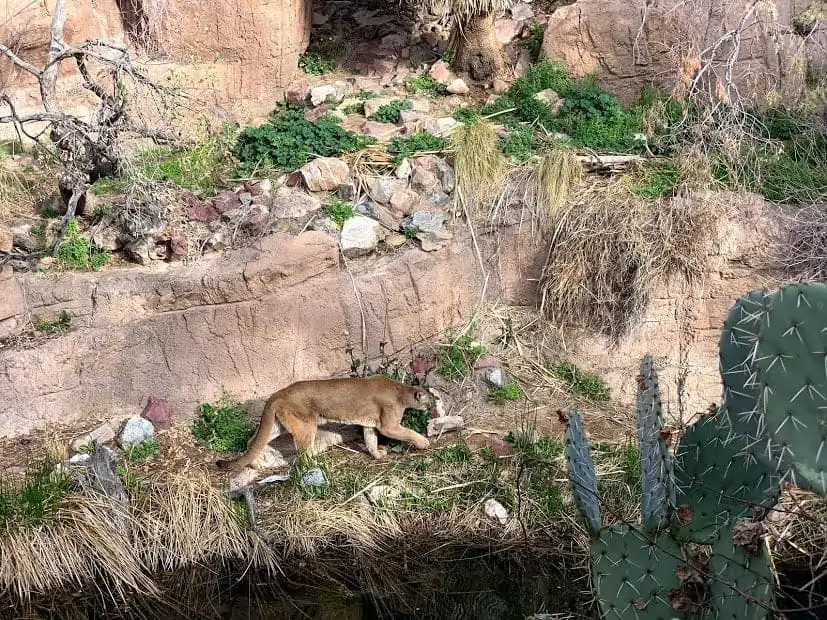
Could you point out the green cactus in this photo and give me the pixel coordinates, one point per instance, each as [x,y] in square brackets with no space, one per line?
[791,366]
[581,473]
[635,576]
[740,581]
[715,483]
[656,465]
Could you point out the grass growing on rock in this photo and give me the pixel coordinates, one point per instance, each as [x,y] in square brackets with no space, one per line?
[338,211]
[456,358]
[76,251]
[582,383]
[391,112]
[427,84]
[416,144]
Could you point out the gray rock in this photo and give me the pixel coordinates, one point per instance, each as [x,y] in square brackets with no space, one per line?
[108,239]
[360,235]
[379,213]
[135,431]
[326,93]
[102,434]
[436,198]
[314,478]
[424,221]
[138,251]
[458,87]
[290,204]
[550,98]
[442,125]
[347,191]
[446,174]
[383,188]
[79,460]
[423,180]
[404,169]
[521,11]
[325,225]
[495,376]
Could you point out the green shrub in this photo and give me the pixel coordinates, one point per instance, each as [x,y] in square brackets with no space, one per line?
[520,143]
[223,426]
[144,450]
[655,180]
[425,83]
[390,112]
[77,252]
[314,64]
[420,142]
[287,141]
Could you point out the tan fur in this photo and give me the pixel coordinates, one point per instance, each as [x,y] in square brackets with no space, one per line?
[376,403]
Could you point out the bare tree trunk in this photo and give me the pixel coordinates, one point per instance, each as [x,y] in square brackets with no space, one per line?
[476,48]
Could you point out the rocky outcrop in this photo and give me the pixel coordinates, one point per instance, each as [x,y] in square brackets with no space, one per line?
[631,44]
[253,320]
[248,321]
[225,53]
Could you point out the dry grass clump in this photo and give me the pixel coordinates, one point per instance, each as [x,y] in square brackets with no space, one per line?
[609,249]
[479,164]
[802,254]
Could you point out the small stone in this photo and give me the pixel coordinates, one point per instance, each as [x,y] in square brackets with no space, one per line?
[500,86]
[423,180]
[216,242]
[458,87]
[382,131]
[178,247]
[360,235]
[314,478]
[257,219]
[550,97]
[441,125]
[159,412]
[424,221]
[202,212]
[294,205]
[434,200]
[496,510]
[382,189]
[443,424]
[79,460]
[507,30]
[324,174]
[326,93]
[523,63]
[325,225]
[495,376]
[102,434]
[486,361]
[395,240]
[347,191]
[108,239]
[379,213]
[403,171]
[6,239]
[135,431]
[138,251]
[408,117]
[23,238]
[441,72]
[226,200]
[404,200]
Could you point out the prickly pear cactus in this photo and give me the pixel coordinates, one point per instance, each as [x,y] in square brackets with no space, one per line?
[581,473]
[739,338]
[635,576]
[791,365]
[656,465]
[715,484]
[740,578]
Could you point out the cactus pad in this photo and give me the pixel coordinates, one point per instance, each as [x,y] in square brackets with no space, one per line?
[791,362]
[739,338]
[656,464]
[635,578]
[740,581]
[581,473]
[715,483]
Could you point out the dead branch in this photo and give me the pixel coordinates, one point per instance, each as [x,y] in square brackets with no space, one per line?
[86,150]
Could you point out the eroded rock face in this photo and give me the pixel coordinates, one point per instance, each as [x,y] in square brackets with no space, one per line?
[248,321]
[225,53]
[628,52]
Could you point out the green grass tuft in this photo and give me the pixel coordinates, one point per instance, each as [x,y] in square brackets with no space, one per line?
[143,451]
[224,426]
[60,324]
[581,383]
[501,395]
[657,180]
[425,83]
[338,210]
[78,252]
[420,142]
[456,360]
[37,500]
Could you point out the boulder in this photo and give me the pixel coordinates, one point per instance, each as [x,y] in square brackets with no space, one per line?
[325,174]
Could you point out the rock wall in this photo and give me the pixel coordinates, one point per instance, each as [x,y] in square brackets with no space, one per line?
[631,44]
[254,320]
[237,57]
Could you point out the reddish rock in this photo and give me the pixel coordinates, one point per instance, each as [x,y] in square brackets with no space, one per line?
[159,412]
[442,73]
[379,130]
[203,212]
[226,200]
[314,113]
[178,247]
[508,30]
[404,200]
[325,174]
[6,239]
